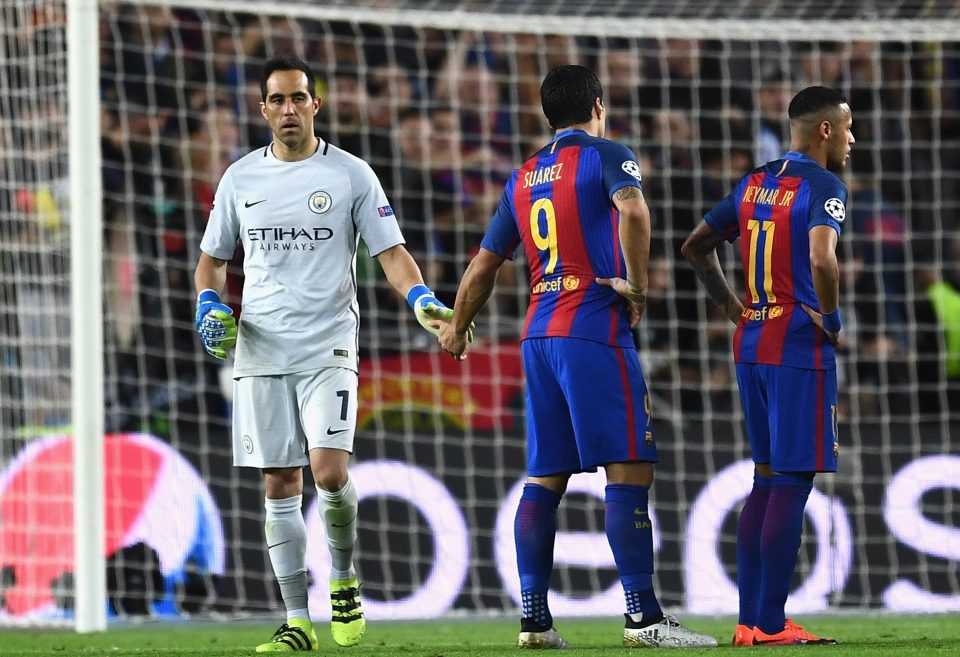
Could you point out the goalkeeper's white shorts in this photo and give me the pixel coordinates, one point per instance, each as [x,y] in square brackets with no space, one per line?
[277,419]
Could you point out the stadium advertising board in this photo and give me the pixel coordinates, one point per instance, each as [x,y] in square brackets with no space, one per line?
[437,516]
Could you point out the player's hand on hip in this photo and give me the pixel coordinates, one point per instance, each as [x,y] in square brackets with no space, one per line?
[628,291]
[734,312]
[817,319]
[216,325]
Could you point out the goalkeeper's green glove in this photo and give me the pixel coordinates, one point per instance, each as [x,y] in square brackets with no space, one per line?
[216,325]
[428,308]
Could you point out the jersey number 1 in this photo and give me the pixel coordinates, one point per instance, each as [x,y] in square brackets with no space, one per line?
[755,227]
[546,242]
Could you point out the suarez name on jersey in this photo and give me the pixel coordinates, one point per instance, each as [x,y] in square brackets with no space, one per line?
[558,205]
[773,209]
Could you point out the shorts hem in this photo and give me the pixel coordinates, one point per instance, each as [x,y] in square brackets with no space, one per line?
[794,469]
[555,473]
[271,465]
[343,448]
[636,460]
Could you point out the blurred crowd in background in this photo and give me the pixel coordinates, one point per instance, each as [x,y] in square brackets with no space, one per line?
[443,117]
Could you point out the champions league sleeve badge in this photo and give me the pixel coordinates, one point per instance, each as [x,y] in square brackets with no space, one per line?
[632,168]
[835,209]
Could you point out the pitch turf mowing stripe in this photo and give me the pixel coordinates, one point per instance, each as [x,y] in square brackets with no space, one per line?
[859,635]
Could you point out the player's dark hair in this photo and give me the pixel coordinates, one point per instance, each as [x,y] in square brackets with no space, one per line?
[567,95]
[286,63]
[814,100]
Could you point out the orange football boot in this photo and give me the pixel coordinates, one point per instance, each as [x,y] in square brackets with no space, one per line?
[791,635]
[743,635]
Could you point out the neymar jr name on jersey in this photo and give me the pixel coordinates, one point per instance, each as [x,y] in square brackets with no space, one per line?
[764,196]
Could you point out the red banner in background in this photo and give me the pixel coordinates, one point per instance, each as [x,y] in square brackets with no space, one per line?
[480,392]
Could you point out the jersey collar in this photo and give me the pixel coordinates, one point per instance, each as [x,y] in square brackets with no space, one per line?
[799,157]
[269,154]
[566,133]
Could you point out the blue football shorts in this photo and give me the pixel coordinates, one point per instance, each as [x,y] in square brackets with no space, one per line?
[587,405]
[791,416]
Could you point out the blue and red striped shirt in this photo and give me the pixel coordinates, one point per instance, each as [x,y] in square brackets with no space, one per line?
[773,208]
[558,205]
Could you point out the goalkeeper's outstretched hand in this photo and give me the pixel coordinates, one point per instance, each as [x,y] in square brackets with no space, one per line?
[430,312]
[216,325]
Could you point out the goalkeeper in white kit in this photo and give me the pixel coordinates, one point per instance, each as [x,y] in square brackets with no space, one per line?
[299,206]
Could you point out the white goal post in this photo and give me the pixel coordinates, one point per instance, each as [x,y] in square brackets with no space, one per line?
[86,312]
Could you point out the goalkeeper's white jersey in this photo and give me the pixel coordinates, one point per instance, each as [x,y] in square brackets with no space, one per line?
[299,224]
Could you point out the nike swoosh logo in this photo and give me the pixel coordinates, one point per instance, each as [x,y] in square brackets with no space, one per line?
[277,544]
[331,432]
[347,524]
[248,204]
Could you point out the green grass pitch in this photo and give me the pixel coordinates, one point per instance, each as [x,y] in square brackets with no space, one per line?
[884,635]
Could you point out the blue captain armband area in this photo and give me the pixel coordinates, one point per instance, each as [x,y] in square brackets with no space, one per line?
[832,321]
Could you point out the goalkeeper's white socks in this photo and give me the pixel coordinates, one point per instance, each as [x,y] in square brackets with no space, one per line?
[287,544]
[339,513]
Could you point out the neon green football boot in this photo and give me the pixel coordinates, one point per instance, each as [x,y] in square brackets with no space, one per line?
[296,635]
[347,622]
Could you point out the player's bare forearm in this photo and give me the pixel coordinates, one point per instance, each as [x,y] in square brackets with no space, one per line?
[211,274]
[824,267]
[634,234]
[719,290]
[700,250]
[475,288]
[400,268]
[826,281]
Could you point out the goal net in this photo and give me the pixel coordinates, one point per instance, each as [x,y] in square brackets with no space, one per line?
[442,99]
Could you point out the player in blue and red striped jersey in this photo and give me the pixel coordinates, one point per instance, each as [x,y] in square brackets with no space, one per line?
[577,209]
[789,213]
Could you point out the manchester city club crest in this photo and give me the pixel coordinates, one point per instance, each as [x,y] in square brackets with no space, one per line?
[319,202]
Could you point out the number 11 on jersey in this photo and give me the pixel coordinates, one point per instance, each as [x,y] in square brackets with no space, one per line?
[768,228]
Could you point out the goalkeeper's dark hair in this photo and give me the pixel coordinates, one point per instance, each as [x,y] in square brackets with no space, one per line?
[814,100]
[567,95]
[286,63]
